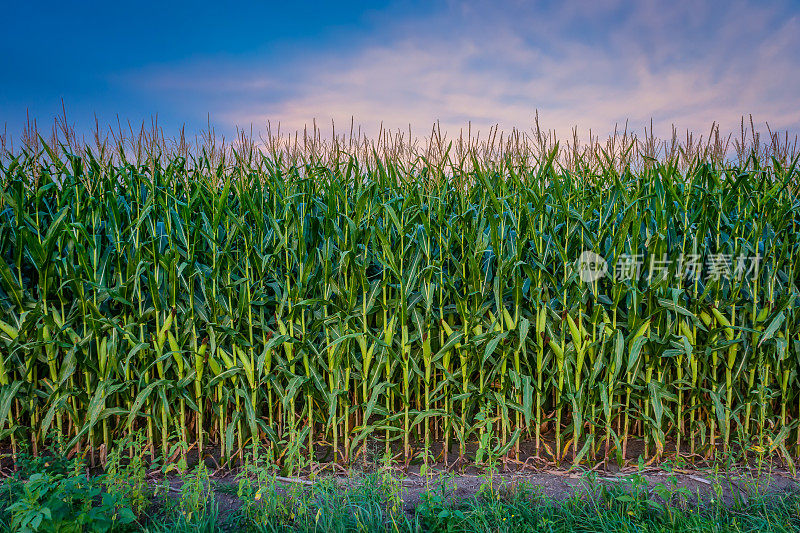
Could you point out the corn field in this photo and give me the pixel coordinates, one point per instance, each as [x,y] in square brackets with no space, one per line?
[318,301]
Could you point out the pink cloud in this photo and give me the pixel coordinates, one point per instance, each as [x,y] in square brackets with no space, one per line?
[589,65]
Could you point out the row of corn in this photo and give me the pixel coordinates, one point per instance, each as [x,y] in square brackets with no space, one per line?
[321,313]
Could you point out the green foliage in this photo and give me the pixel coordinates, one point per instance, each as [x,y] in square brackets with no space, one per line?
[126,471]
[628,505]
[196,498]
[249,300]
[65,502]
[261,503]
[357,504]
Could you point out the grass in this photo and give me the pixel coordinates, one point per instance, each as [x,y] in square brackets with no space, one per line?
[612,511]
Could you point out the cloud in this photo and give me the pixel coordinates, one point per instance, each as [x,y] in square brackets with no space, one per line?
[585,64]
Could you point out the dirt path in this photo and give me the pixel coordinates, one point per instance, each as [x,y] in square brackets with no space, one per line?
[557,485]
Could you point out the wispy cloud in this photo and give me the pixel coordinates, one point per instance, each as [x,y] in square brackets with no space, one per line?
[585,64]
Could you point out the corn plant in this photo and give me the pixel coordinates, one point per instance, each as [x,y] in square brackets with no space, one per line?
[308,301]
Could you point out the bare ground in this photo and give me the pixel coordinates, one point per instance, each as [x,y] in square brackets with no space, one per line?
[555,480]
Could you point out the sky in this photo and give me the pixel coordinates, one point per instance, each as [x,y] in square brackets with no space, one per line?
[584,64]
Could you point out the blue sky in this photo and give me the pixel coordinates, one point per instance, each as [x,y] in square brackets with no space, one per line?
[587,64]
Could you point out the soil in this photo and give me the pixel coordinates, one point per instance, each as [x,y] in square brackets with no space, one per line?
[556,481]
[556,485]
